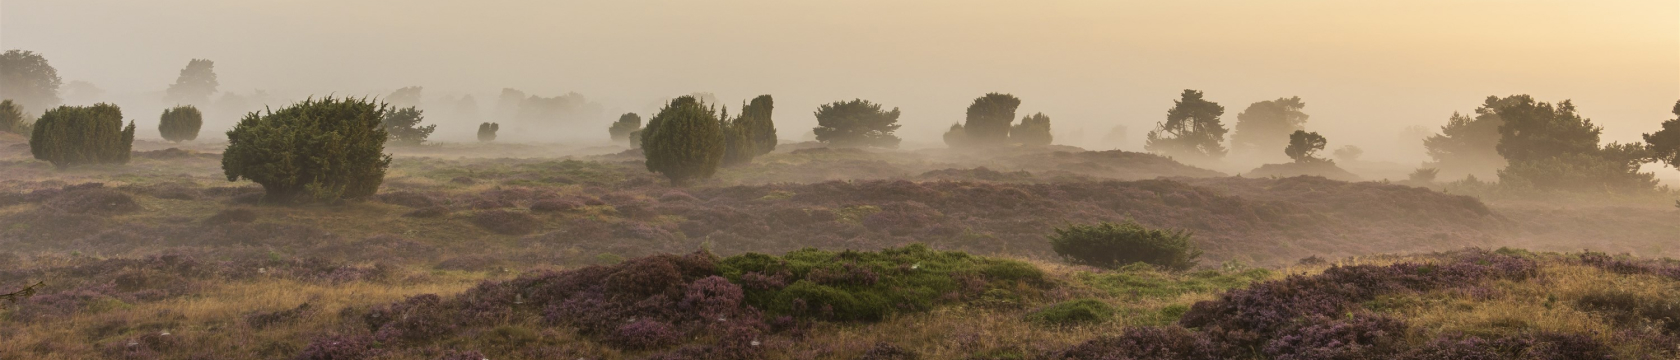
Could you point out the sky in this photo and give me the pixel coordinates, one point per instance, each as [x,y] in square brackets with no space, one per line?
[1366,69]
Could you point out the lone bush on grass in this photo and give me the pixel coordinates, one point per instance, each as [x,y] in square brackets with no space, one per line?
[1110,245]
[684,141]
[180,123]
[319,149]
[73,135]
[487,131]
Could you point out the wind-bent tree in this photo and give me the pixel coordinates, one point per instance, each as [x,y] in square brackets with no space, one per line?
[74,135]
[627,123]
[989,118]
[11,118]
[1551,147]
[404,126]
[1665,144]
[195,84]
[1265,126]
[315,150]
[408,96]
[487,131]
[27,78]
[684,141]
[1304,146]
[1034,130]
[1192,129]
[756,119]
[856,123]
[180,123]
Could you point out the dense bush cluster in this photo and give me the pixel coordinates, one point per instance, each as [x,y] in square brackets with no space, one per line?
[180,123]
[316,150]
[73,135]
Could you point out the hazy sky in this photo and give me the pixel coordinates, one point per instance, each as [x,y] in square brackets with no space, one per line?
[1365,68]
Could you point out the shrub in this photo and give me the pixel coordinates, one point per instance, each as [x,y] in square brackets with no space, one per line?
[1032,131]
[487,131]
[321,150]
[1304,145]
[1110,245]
[11,117]
[404,126]
[1074,312]
[180,123]
[626,124]
[988,119]
[73,135]
[684,141]
[856,123]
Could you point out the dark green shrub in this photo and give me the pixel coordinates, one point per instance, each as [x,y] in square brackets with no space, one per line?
[956,136]
[180,123]
[11,117]
[404,126]
[755,117]
[1110,245]
[684,141]
[1664,145]
[1074,312]
[989,118]
[319,149]
[1032,131]
[71,135]
[487,131]
[626,124]
[1304,146]
[856,123]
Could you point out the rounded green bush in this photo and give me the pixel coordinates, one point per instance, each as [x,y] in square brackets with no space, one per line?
[316,150]
[72,135]
[1109,245]
[180,123]
[1074,312]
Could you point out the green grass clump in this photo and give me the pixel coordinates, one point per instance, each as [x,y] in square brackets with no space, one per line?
[1074,312]
[1145,282]
[870,286]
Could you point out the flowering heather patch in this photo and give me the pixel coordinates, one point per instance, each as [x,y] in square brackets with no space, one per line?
[1669,269]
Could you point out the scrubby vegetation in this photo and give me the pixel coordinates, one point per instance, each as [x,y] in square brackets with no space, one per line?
[857,123]
[487,131]
[180,123]
[685,141]
[1111,245]
[75,135]
[403,124]
[316,150]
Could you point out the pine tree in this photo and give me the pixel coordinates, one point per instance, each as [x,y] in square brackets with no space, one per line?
[1665,144]
[73,135]
[180,123]
[1303,146]
[684,141]
[856,123]
[403,125]
[1192,129]
[315,150]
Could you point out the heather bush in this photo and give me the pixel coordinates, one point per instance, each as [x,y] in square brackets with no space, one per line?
[1074,312]
[1110,245]
[340,347]
[1146,343]
[1360,336]
[180,123]
[321,150]
[887,351]
[75,135]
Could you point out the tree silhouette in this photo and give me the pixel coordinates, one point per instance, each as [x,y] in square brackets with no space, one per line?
[1265,126]
[1304,146]
[1192,129]
[988,119]
[856,123]
[195,84]
[27,78]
